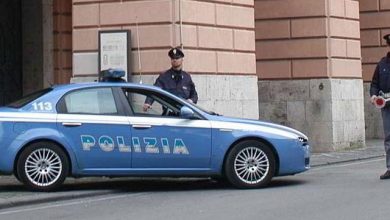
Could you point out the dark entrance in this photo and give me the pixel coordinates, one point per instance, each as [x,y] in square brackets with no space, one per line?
[10,51]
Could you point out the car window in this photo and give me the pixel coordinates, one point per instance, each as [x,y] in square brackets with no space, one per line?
[91,101]
[161,105]
[29,98]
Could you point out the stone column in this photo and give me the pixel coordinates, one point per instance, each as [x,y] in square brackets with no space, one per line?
[374,17]
[219,47]
[309,67]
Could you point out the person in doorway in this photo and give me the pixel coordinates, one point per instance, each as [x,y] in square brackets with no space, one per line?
[381,84]
[175,80]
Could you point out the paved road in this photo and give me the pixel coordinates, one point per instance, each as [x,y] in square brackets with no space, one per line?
[343,191]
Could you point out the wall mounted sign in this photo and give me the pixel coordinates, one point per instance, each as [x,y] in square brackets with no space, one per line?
[114,51]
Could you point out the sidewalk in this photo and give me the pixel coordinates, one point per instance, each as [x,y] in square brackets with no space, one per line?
[13,194]
[374,148]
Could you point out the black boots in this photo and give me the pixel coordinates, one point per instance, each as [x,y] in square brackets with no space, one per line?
[386,175]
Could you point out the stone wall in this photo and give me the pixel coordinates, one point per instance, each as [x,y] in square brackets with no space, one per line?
[214,42]
[309,67]
[374,16]
[329,111]
[62,31]
[307,39]
[219,48]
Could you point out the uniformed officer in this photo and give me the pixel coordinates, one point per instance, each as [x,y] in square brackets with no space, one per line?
[381,82]
[175,80]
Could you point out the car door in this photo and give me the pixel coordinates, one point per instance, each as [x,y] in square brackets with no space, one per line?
[94,125]
[161,139]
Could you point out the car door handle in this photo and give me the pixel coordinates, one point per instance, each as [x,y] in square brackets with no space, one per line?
[71,124]
[141,126]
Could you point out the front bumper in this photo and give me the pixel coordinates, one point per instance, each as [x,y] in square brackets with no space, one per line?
[307,153]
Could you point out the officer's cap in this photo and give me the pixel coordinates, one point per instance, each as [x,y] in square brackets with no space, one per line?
[387,38]
[175,53]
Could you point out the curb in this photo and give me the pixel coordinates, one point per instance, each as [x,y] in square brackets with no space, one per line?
[346,161]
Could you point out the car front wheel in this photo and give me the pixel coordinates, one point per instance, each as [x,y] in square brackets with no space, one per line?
[250,164]
[43,166]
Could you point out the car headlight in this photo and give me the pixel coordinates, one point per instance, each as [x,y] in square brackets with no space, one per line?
[302,140]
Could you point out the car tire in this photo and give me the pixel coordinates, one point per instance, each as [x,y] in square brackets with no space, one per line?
[250,164]
[17,177]
[219,179]
[43,166]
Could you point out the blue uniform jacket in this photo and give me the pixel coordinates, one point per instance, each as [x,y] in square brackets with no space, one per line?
[381,78]
[179,84]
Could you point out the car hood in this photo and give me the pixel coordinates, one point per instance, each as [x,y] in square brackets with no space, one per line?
[259,123]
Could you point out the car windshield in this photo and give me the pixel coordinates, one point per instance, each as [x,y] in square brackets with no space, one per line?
[204,110]
[29,98]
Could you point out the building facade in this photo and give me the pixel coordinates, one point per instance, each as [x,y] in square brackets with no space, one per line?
[303,63]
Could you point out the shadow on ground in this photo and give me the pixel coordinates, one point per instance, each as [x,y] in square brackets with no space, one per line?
[147,184]
[167,184]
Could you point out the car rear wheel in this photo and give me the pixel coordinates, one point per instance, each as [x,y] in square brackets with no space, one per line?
[43,166]
[250,164]
[17,176]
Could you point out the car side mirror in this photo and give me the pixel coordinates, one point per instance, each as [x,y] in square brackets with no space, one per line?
[186,112]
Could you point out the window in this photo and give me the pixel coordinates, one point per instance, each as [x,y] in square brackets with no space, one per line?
[161,105]
[29,98]
[91,101]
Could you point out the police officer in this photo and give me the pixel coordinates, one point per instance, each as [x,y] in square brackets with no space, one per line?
[381,82]
[175,80]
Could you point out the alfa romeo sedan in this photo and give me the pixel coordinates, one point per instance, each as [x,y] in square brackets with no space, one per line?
[101,129]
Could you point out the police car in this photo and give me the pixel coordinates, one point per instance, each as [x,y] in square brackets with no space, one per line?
[101,129]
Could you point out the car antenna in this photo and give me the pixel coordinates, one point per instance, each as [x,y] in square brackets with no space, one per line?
[139,52]
[49,82]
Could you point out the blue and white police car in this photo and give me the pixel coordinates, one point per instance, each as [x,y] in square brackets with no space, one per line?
[101,129]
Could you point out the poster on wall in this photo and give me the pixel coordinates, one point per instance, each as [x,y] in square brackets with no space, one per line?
[114,51]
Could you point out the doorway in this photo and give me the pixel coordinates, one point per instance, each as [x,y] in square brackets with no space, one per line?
[26,47]
[11,87]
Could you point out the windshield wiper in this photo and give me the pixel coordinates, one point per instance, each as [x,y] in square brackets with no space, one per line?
[214,113]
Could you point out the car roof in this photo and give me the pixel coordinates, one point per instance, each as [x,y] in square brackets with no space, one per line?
[72,86]
[64,88]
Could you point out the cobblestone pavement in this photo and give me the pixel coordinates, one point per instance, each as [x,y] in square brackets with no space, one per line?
[12,193]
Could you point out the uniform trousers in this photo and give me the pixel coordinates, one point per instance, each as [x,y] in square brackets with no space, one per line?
[386,128]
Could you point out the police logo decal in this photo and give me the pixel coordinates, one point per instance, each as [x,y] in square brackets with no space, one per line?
[151,145]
